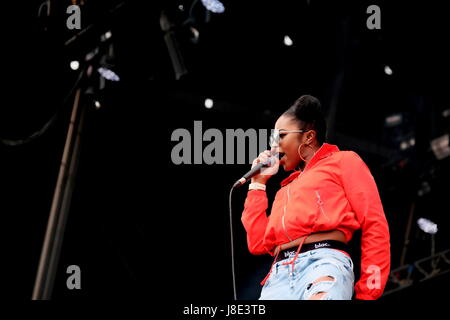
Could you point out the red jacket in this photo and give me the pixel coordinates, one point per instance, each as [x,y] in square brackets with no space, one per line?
[335,191]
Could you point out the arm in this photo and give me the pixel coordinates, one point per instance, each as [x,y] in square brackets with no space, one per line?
[362,194]
[255,220]
[254,217]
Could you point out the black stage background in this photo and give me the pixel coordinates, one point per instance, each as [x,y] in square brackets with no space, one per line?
[142,226]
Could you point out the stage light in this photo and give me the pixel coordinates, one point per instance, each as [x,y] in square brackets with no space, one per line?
[214,6]
[107,35]
[427,226]
[181,7]
[97,104]
[209,103]
[446,113]
[403,145]
[388,70]
[407,143]
[393,120]
[106,66]
[108,74]
[74,65]
[173,46]
[195,35]
[288,41]
[440,147]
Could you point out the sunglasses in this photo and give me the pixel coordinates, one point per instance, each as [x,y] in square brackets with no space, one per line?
[277,135]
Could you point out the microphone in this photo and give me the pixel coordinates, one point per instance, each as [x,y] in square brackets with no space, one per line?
[256,169]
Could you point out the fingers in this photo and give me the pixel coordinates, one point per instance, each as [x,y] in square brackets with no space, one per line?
[263,156]
[266,172]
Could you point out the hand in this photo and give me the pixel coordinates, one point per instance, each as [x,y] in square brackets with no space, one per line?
[265,173]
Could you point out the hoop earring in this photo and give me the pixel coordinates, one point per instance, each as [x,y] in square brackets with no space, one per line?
[300,152]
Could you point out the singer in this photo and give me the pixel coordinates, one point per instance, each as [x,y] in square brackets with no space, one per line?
[330,194]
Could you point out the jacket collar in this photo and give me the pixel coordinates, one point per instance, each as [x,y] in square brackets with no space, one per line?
[324,151]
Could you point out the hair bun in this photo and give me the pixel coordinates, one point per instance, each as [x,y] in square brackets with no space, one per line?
[309,103]
[308,110]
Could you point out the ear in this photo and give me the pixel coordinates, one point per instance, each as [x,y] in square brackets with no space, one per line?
[310,136]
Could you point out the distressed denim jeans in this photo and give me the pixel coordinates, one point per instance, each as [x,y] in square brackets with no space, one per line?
[297,281]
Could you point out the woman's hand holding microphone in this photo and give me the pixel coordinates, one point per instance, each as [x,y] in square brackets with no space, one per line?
[266,172]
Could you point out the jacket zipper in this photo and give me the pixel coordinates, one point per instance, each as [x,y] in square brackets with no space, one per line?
[284,213]
[284,210]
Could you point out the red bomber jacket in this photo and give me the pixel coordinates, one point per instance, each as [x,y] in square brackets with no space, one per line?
[336,191]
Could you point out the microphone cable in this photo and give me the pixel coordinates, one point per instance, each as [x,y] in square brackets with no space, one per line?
[231,233]
[232,245]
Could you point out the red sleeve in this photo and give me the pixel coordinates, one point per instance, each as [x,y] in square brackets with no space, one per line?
[362,194]
[255,220]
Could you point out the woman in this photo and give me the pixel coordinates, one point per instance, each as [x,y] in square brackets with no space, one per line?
[330,194]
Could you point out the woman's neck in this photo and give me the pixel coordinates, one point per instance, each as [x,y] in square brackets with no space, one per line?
[314,151]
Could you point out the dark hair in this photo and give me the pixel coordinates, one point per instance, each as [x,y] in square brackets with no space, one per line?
[307,110]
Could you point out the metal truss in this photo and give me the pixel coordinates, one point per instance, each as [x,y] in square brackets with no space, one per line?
[421,270]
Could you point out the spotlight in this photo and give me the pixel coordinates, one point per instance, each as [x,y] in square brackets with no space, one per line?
[393,120]
[209,103]
[108,74]
[107,66]
[105,36]
[446,113]
[288,41]
[405,144]
[427,226]
[214,6]
[97,104]
[388,70]
[74,65]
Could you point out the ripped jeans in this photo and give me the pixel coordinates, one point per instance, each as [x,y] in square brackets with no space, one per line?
[325,273]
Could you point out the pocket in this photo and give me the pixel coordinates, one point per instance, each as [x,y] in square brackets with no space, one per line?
[344,259]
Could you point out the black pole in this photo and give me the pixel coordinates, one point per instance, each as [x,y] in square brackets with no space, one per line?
[408,231]
[62,196]
[59,211]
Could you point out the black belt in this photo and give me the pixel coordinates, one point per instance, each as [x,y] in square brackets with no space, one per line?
[329,244]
